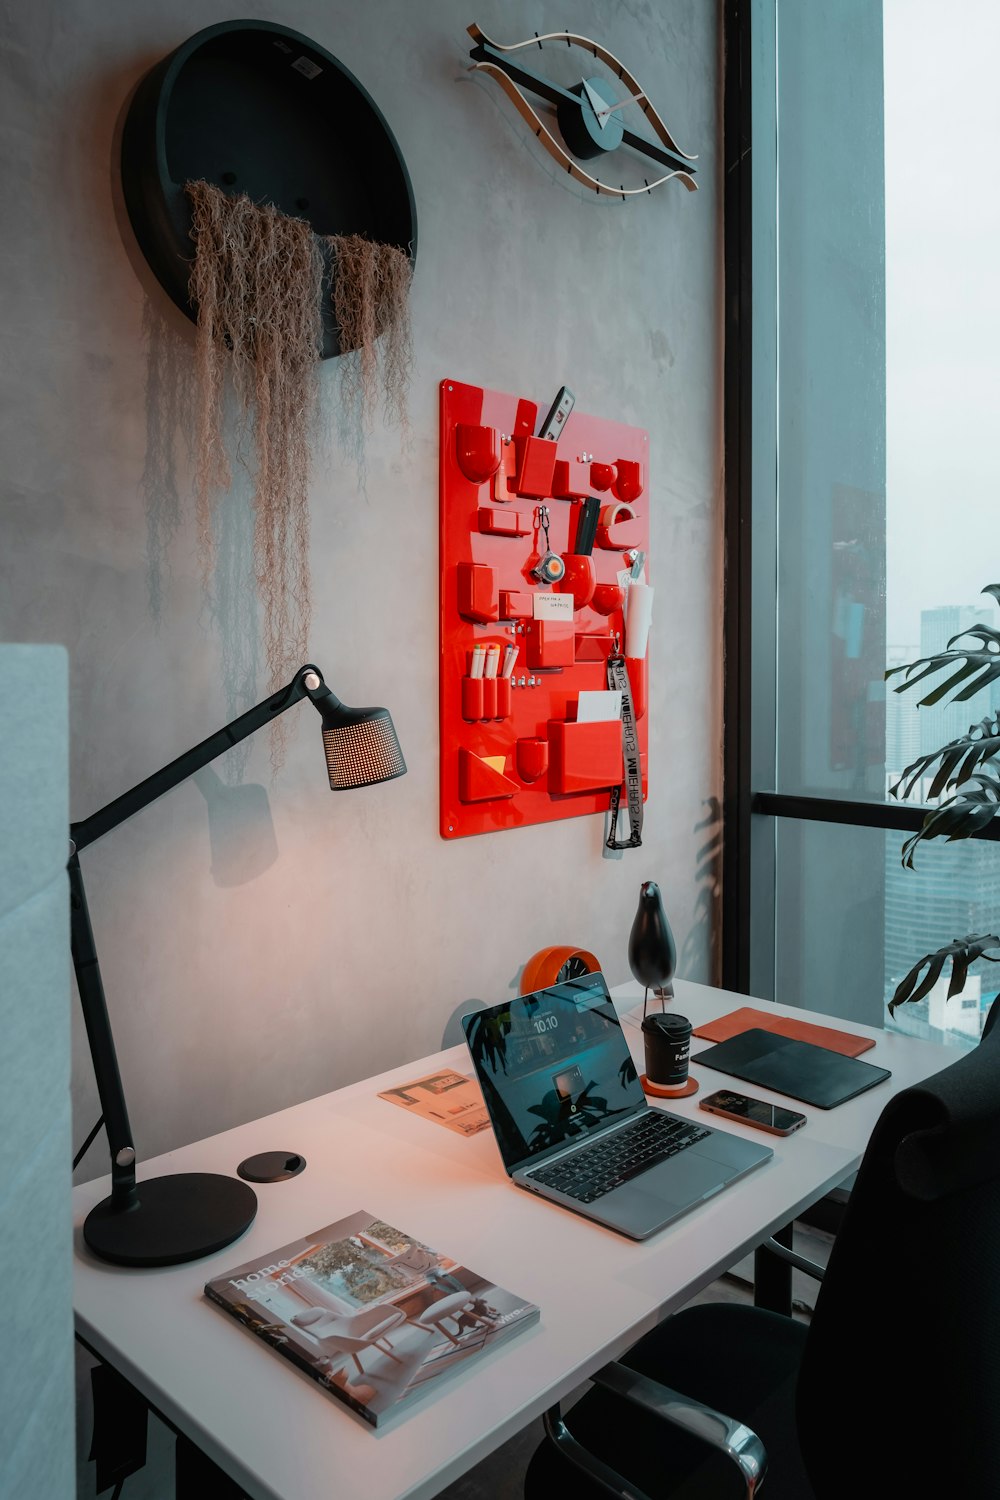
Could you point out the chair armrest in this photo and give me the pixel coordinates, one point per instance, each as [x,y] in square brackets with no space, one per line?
[737,1441]
[800,1262]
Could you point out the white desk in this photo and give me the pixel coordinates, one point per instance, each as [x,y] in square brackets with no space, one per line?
[279,1434]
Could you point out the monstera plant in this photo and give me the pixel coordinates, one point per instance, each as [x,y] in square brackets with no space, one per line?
[969,770]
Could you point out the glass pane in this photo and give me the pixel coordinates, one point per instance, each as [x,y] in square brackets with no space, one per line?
[831,400]
[888,318]
[942,349]
[851,921]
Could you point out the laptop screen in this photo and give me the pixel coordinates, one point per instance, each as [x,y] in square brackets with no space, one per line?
[554,1066]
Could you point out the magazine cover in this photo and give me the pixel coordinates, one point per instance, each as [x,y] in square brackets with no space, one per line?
[371,1313]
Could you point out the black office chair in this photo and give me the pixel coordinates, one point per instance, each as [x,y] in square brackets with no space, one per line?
[891,1390]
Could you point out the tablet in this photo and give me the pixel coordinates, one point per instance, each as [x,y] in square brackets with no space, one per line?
[815,1075]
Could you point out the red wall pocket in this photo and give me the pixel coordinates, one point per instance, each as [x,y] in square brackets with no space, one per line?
[512,751]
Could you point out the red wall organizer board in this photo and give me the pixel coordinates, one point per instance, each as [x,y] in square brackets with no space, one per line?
[513,751]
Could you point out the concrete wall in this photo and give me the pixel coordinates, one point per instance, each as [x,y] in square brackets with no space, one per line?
[36,1373]
[264,942]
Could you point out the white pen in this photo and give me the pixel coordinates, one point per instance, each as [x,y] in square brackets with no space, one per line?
[509,658]
[492,660]
[478,655]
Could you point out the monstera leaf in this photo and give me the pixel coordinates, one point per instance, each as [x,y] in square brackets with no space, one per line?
[961,816]
[958,760]
[977,666]
[961,951]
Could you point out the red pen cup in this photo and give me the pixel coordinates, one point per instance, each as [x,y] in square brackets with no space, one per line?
[628,481]
[602,476]
[472,698]
[532,758]
[579,579]
[607,598]
[477,450]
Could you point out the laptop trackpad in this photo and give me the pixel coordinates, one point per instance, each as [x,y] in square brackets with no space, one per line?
[685,1178]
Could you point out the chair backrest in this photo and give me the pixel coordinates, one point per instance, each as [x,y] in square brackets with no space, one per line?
[899,1391]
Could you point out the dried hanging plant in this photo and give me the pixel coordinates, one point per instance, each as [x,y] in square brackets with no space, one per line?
[257,282]
[257,279]
[371,302]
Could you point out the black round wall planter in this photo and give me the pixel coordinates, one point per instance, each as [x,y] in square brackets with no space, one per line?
[255,108]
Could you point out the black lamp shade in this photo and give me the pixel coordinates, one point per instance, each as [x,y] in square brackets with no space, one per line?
[361,745]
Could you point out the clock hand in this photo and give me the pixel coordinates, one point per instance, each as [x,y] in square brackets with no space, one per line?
[596,103]
[610,109]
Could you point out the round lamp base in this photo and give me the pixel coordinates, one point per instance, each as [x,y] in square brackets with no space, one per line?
[178,1218]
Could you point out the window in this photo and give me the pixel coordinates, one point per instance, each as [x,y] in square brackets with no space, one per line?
[860,417]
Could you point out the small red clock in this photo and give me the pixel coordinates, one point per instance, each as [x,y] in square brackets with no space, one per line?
[555,966]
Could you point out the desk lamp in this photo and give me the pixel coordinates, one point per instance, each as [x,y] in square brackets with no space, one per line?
[166,1220]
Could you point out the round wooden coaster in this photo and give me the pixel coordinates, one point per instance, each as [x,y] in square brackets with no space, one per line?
[691,1087]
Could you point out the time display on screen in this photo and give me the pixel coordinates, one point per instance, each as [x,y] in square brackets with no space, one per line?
[542,1024]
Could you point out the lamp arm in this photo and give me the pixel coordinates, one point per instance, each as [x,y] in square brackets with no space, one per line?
[131,802]
[307,683]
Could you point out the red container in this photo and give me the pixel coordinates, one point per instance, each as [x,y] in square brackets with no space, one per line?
[479,782]
[536,463]
[579,579]
[550,643]
[502,522]
[638,676]
[571,480]
[617,527]
[478,451]
[532,758]
[607,598]
[472,698]
[602,477]
[504,698]
[584,757]
[477,592]
[515,605]
[489,698]
[628,480]
[590,647]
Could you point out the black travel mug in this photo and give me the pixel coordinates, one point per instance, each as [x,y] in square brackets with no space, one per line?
[667,1040]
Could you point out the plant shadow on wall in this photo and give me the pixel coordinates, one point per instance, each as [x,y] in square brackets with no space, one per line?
[966,768]
[703,934]
[230,601]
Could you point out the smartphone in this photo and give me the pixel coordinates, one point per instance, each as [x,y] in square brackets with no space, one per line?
[771,1117]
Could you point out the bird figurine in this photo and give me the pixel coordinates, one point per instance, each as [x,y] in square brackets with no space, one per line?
[652,952]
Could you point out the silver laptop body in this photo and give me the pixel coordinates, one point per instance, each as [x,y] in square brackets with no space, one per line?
[557,1075]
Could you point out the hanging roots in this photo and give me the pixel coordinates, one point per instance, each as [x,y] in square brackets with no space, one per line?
[257,282]
[371,300]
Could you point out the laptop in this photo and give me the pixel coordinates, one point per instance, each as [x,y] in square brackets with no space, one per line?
[571,1119]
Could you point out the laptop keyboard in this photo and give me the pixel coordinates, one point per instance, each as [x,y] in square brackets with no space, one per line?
[598,1169]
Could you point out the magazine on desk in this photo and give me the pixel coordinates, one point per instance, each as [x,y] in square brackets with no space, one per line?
[446,1097]
[372,1314]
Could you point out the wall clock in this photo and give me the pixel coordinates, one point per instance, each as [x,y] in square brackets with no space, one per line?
[593,117]
[555,966]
